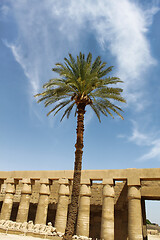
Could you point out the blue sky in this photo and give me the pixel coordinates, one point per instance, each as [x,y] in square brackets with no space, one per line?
[34,35]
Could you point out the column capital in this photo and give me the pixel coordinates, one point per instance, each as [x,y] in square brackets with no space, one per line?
[10,180]
[10,185]
[26,189]
[108,191]
[134,192]
[64,189]
[26,180]
[44,181]
[63,181]
[44,189]
[85,190]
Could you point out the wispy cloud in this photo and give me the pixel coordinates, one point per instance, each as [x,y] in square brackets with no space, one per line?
[149,140]
[48,29]
[30,71]
[4,10]
[124,25]
[154,151]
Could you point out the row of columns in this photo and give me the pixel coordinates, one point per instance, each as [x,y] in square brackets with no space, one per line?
[22,215]
[107,222]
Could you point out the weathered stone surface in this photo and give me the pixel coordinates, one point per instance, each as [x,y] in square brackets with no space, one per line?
[39,204]
[107,224]
[62,206]
[134,213]
[84,211]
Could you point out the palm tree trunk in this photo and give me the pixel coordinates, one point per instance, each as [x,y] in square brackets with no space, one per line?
[73,207]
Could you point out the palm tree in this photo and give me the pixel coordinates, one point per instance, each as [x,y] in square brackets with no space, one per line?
[81,83]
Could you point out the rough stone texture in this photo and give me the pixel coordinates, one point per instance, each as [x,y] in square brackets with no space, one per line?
[126,209]
[150,189]
[8,200]
[107,223]
[23,209]
[53,198]
[134,213]
[62,208]
[42,208]
[84,211]
[96,194]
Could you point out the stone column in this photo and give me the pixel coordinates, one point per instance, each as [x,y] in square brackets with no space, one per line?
[42,208]
[8,200]
[84,210]
[23,209]
[62,207]
[107,222]
[134,213]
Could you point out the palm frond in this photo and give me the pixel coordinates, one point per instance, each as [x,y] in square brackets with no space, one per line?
[82,80]
[89,59]
[105,72]
[61,104]
[96,110]
[68,111]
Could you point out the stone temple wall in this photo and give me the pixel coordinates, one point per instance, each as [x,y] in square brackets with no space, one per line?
[111,204]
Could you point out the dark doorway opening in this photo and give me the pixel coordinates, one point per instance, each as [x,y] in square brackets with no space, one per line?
[95,221]
[51,213]
[14,211]
[32,212]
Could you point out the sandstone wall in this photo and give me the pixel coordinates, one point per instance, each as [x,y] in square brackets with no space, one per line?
[130,187]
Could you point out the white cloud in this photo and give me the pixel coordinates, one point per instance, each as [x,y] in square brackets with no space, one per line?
[4,10]
[47,29]
[139,138]
[154,151]
[124,26]
[29,70]
[149,140]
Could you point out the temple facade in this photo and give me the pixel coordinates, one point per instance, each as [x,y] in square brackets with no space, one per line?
[111,204]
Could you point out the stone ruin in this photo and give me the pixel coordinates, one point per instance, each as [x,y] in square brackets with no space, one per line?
[111,204]
[29,227]
[26,228]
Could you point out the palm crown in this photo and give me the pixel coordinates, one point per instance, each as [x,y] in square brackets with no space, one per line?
[82,82]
